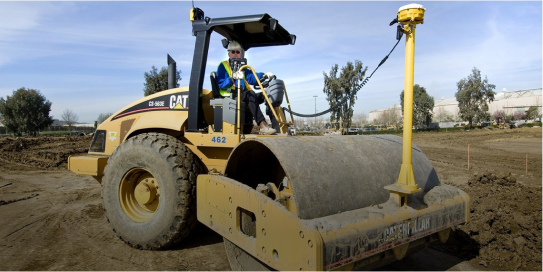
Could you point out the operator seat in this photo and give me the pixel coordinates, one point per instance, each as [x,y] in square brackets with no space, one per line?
[224,107]
[218,102]
[215,85]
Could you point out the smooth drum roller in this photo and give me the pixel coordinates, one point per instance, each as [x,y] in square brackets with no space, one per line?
[327,175]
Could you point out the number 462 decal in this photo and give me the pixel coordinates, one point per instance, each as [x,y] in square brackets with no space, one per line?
[219,140]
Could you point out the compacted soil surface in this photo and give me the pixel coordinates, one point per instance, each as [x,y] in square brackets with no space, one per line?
[504,183]
[52,219]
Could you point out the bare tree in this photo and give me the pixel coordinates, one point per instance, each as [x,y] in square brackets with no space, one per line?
[538,104]
[498,113]
[390,116]
[298,122]
[320,121]
[360,119]
[103,116]
[379,119]
[70,118]
[443,115]
[312,121]
[519,115]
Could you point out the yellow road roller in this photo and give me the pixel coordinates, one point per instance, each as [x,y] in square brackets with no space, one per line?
[281,202]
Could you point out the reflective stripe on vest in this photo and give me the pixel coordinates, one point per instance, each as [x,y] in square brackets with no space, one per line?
[226,92]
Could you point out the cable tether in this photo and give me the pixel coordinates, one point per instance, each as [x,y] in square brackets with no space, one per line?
[349,96]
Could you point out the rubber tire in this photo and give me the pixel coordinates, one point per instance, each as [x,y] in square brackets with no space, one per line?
[240,260]
[175,168]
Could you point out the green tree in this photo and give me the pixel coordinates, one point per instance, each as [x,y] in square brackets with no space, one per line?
[346,86]
[157,81]
[423,106]
[473,97]
[4,130]
[26,111]
[532,112]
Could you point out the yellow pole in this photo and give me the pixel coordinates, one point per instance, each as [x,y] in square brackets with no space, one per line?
[406,178]
[238,90]
[408,16]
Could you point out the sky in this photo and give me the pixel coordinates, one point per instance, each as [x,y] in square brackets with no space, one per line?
[90,57]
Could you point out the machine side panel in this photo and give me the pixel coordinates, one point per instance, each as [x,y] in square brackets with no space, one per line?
[278,238]
[357,235]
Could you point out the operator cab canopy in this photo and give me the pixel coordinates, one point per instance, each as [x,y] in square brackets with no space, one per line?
[249,30]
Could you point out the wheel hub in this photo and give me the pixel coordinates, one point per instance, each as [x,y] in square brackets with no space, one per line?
[146,191]
[139,195]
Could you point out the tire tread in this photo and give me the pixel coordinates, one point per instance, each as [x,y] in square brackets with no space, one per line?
[182,162]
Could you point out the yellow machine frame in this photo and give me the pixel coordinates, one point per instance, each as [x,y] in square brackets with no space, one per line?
[279,237]
[211,147]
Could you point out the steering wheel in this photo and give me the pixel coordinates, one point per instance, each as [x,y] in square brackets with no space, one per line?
[265,82]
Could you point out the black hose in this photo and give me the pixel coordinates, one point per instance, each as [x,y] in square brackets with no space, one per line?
[348,97]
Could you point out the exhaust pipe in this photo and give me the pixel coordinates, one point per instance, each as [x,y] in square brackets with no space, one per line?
[172,80]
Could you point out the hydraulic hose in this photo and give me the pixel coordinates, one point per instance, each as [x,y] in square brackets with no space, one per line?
[348,97]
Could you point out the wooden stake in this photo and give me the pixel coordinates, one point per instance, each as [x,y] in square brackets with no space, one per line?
[468,156]
[526,163]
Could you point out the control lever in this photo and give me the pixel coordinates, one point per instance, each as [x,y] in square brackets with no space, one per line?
[265,82]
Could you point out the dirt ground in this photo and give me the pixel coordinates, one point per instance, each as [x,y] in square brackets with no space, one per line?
[504,183]
[52,219]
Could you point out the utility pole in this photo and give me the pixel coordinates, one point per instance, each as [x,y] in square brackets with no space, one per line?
[315,109]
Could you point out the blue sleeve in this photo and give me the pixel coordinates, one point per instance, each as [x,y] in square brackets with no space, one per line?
[250,77]
[222,77]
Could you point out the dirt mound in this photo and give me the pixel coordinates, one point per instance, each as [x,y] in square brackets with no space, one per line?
[45,152]
[505,228]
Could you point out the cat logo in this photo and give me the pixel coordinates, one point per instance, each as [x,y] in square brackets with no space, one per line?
[112,135]
[179,101]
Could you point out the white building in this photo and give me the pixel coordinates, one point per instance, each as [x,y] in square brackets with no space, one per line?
[508,101]
[514,101]
[375,114]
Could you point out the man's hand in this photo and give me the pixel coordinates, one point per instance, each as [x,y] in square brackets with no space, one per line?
[237,75]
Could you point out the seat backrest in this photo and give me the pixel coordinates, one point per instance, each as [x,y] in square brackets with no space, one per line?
[215,85]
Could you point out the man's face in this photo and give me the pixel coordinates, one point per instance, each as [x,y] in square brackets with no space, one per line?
[234,54]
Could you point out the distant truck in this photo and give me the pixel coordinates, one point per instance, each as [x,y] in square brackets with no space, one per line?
[354,130]
[292,131]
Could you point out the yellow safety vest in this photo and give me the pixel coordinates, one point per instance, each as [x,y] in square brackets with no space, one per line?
[226,92]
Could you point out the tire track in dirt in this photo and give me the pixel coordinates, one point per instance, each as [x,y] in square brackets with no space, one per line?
[6,202]
[5,185]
